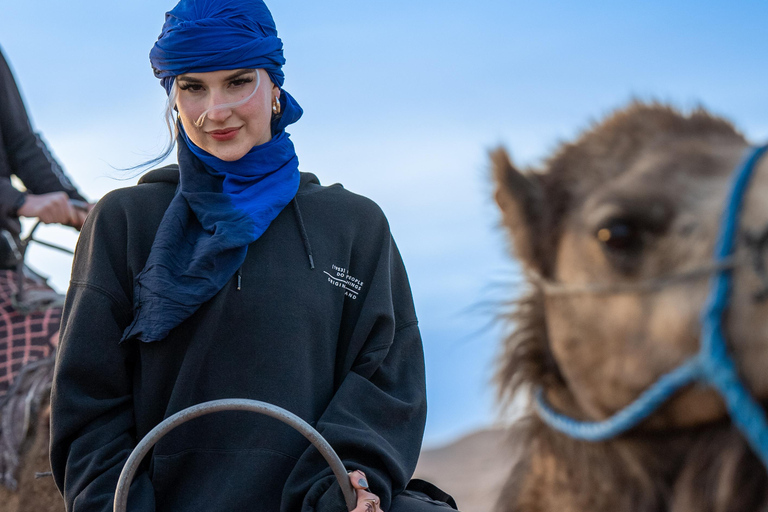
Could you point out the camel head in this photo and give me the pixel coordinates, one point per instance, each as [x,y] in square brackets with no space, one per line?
[616,232]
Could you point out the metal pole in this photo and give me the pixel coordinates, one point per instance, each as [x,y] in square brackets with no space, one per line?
[314,437]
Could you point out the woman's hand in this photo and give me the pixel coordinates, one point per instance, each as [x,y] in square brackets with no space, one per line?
[366,500]
[53,208]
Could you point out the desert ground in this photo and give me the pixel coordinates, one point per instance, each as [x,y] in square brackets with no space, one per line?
[471,469]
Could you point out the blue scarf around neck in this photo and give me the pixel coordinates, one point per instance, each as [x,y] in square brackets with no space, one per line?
[221,207]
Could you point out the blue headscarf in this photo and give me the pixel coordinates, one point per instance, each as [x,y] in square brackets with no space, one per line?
[221,206]
[211,35]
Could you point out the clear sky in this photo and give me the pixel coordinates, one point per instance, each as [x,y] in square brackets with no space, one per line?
[402,101]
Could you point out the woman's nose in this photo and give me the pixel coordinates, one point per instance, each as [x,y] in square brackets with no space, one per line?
[217,111]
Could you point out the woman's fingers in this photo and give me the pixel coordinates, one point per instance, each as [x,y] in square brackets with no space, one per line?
[366,500]
[358,480]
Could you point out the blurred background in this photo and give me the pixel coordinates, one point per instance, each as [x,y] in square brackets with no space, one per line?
[402,102]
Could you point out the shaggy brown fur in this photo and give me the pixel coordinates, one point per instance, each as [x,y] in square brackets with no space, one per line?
[707,467]
[27,413]
[36,490]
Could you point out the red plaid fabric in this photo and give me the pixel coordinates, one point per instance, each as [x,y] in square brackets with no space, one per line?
[23,338]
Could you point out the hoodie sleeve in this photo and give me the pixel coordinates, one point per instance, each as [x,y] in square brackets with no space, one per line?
[23,152]
[375,421]
[92,416]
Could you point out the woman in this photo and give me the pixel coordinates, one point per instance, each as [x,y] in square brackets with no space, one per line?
[236,276]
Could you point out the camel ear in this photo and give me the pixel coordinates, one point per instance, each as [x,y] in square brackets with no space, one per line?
[520,198]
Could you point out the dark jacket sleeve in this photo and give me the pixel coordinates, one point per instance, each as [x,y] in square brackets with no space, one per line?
[375,421]
[22,152]
[92,416]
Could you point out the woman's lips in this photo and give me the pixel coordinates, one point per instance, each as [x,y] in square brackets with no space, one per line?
[226,134]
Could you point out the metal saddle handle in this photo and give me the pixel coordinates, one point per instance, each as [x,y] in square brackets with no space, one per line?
[314,437]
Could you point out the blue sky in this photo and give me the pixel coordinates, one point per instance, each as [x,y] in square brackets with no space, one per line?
[402,101]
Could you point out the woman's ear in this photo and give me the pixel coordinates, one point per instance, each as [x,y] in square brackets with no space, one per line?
[277,108]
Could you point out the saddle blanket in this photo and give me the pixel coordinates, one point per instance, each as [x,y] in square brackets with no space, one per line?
[24,338]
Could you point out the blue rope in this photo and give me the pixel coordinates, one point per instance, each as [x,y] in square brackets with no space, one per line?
[713,364]
[720,370]
[631,415]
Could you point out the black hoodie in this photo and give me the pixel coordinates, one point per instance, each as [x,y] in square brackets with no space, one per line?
[320,321]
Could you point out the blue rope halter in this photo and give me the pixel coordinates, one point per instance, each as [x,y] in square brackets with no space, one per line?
[712,366]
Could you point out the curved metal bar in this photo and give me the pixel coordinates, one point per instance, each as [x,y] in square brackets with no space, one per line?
[273,411]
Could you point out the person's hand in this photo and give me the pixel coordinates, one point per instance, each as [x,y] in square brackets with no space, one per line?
[54,208]
[366,500]
[83,209]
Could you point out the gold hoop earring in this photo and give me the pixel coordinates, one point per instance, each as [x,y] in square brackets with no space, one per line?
[276,109]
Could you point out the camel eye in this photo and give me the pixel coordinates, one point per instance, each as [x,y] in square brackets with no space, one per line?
[626,229]
[621,237]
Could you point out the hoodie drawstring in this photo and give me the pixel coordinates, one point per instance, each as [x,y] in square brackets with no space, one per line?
[302,229]
[304,239]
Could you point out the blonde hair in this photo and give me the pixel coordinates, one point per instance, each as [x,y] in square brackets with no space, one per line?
[170,122]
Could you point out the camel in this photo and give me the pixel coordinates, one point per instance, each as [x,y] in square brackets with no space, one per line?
[616,233]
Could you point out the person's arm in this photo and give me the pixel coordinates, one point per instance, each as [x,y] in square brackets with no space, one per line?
[375,421]
[92,416]
[10,202]
[26,153]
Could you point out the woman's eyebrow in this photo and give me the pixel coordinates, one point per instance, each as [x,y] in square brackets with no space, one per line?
[238,73]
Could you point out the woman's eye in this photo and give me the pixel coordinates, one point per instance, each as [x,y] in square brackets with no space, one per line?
[621,237]
[191,87]
[241,81]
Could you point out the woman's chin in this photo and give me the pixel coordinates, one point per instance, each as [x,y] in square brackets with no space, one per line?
[227,154]
[226,157]
[232,150]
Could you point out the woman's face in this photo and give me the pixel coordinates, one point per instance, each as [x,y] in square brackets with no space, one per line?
[226,133]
